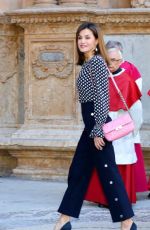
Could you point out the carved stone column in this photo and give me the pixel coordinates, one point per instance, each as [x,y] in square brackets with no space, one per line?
[44,2]
[72,2]
[140,3]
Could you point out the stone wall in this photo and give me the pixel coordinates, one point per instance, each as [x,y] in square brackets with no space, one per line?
[40,116]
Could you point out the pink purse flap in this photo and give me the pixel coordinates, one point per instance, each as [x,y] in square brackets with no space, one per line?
[117,123]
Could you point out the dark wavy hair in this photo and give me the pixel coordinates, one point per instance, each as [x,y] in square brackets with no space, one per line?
[101,50]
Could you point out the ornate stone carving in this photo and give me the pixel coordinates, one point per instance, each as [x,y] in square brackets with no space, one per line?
[140,3]
[114,18]
[51,61]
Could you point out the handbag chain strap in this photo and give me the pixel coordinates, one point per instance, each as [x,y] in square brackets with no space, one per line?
[119,92]
[117,88]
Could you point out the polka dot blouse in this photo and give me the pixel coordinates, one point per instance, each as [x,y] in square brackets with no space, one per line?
[92,85]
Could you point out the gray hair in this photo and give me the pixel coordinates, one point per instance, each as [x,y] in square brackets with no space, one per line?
[115,49]
[114,44]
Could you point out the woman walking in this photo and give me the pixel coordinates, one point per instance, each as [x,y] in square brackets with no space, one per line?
[93,150]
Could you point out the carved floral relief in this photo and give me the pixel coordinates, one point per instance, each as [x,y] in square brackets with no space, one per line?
[51,80]
[51,61]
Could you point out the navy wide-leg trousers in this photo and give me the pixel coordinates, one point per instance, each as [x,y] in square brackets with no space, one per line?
[86,157]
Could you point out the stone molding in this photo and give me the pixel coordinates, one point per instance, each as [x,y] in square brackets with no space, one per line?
[51,138]
[99,16]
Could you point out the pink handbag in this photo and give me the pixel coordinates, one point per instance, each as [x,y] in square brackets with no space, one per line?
[122,125]
[118,128]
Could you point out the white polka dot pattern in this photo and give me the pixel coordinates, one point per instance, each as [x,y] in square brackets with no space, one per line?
[92,85]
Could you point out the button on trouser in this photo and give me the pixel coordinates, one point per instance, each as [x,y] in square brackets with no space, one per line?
[85,159]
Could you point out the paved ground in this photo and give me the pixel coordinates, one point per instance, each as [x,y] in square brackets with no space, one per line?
[32,205]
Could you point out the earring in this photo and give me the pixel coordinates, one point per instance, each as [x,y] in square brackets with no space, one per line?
[96,49]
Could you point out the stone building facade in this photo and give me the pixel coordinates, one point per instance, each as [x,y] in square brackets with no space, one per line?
[40,121]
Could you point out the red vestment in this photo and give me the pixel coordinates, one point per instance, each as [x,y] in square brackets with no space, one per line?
[140,175]
[131,70]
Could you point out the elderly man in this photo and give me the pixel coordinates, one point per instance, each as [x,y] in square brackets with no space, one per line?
[131,69]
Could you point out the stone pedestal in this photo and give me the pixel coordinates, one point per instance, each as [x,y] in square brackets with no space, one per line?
[42,164]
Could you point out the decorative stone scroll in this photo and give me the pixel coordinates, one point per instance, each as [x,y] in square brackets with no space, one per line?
[51,61]
[140,3]
[115,18]
[51,81]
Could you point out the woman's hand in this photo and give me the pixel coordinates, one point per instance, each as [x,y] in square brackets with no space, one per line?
[99,143]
